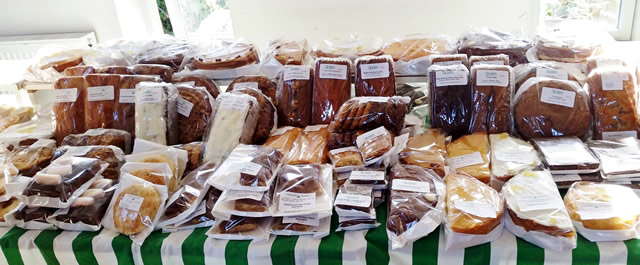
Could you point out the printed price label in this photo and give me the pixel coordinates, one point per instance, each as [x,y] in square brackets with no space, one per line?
[149,95]
[127,95]
[613,81]
[234,195]
[234,103]
[492,78]
[370,135]
[184,107]
[566,178]
[78,151]
[560,74]
[367,175]
[98,93]
[308,219]
[297,202]
[448,62]
[410,185]
[618,135]
[296,72]
[131,202]
[245,85]
[353,200]
[452,78]
[374,70]
[489,62]
[479,209]
[65,95]
[539,202]
[515,157]
[595,210]
[474,158]
[558,97]
[246,168]
[333,71]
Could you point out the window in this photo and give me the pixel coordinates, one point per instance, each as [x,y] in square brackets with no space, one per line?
[615,16]
[199,18]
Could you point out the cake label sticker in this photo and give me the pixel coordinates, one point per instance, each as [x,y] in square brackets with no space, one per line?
[307,219]
[78,151]
[492,78]
[65,95]
[539,202]
[474,158]
[374,70]
[184,107]
[190,83]
[367,175]
[410,185]
[560,74]
[452,78]
[489,62]
[296,72]
[149,95]
[314,128]
[520,157]
[613,81]
[479,209]
[297,202]
[131,202]
[370,135]
[98,93]
[617,135]
[595,210]
[333,71]
[246,168]
[558,97]
[353,200]
[282,130]
[234,103]
[127,95]
[566,178]
[455,62]
[245,85]
[233,195]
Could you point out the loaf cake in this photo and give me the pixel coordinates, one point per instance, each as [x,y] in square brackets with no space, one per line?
[470,154]
[491,92]
[472,206]
[331,88]
[375,76]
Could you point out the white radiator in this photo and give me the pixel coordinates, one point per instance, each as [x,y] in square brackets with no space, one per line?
[24,47]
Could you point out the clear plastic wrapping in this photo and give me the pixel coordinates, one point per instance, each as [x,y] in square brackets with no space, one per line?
[241,228]
[411,53]
[32,158]
[234,122]
[367,113]
[300,226]
[450,59]
[603,212]
[619,158]
[202,216]
[570,43]
[535,211]
[148,152]
[8,174]
[110,154]
[374,176]
[510,156]
[99,107]
[351,47]
[548,69]
[86,212]
[68,106]
[484,41]
[566,155]
[194,153]
[6,207]
[126,99]
[543,106]
[248,167]
[491,91]
[310,146]
[608,59]
[267,119]
[156,112]
[118,138]
[426,150]
[345,158]
[375,76]
[281,52]
[194,106]
[355,200]
[119,70]
[614,97]
[244,203]
[331,88]
[450,99]
[51,60]
[259,82]
[166,53]
[80,70]
[200,81]
[498,59]
[155,172]
[304,189]
[27,217]
[235,55]
[343,139]
[374,144]
[283,139]
[294,96]
[416,204]
[474,212]
[470,154]
[16,116]
[162,71]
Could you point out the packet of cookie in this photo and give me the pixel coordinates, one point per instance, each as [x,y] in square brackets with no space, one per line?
[301,225]
[304,189]
[373,176]
[110,154]
[248,167]
[244,203]
[86,212]
[184,202]
[201,217]
[367,113]
[135,208]
[346,159]
[119,138]
[241,228]
[62,182]
[411,53]
[156,173]
[33,158]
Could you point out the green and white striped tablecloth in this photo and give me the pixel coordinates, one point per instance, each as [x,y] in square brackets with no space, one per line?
[192,247]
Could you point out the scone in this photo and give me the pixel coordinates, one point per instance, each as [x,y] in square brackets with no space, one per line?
[464,194]
[470,155]
[131,221]
[149,175]
[624,203]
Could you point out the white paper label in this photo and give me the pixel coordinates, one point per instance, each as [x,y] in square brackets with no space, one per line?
[374,70]
[367,175]
[333,71]
[65,95]
[234,103]
[246,168]
[500,62]
[515,157]
[234,195]
[539,202]
[308,219]
[451,78]
[492,78]
[448,62]
[131,202]
[618,135]
[78,151]
[368,136]
[558,97]
[127,95]
[560,74]
[314,128]
[296,73]
[474,158]
[353,200]
[479,209]
[282,130]
[613,81]
[410,185]
[595,210]
[297,202]
[566,178]
[184,107]
[245,85]
[98,93]
[149,95]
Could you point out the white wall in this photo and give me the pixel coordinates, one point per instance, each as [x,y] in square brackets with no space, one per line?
[635,31]
[260,20]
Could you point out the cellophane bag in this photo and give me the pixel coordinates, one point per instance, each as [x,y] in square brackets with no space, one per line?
[156,112]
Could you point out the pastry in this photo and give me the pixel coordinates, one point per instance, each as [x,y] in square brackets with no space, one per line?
[472,207]
[68,106]
[79,70]
[375,143]
[371,175]
[210,200]
[426,150]
[354,200]
[619,158]
[100,103]
[200,81]
[283,141]
[62,62]
[294,96]
[601,61]
[348,156]
[310,147]
[109,154]
[238,224]
[375,76]
[126,99]
[543,106]
[339,140]
[235,56]
[194,111]
[251,205]
[583,197]
[413,48]
[549,70]
[18,115]
[485,41]
[33,214]
[279,225]
[491,92]
[163,71]
[450,59]
[129,219]
[564,50]
[450,98]
[262,83]
[469,155]
[510,156]
[498,59]
[331,88]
